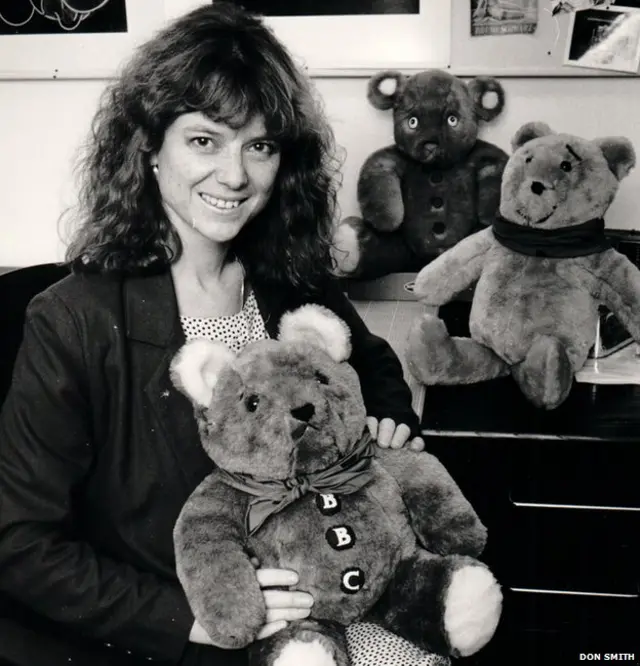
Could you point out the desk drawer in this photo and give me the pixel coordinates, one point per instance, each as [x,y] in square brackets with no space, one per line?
[581,472]
[576,622]
[570,550]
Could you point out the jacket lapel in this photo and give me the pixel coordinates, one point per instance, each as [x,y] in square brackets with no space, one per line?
[152,321]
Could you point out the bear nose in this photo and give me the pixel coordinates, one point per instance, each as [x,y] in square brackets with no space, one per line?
[537,187]
[304,413]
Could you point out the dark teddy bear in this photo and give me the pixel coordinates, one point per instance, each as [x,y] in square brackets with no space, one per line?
[389,538]
[435,185]
[541,272]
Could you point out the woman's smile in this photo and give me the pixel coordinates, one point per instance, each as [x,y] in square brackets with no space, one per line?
[221,204]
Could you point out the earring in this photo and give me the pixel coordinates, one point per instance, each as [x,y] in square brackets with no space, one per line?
[154,168]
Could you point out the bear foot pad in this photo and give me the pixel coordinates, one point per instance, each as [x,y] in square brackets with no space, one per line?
[472,609]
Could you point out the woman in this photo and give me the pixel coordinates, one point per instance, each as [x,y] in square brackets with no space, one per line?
[206,210]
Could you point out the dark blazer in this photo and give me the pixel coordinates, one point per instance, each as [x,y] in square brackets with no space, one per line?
[98,453]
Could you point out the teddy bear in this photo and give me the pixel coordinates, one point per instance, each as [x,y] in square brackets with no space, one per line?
[541,271]
[437,183]
[384,536]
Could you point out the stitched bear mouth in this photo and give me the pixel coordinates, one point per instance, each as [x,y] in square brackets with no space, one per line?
[299,430]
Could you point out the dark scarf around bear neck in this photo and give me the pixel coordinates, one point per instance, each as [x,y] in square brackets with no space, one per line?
[347,475]
[576,241]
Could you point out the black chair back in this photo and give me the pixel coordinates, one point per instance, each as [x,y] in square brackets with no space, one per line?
[17,287]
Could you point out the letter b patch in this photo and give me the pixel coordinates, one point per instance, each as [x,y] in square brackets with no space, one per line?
[341,537]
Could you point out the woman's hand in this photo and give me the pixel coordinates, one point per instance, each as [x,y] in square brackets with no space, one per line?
[282,605]
[389,435]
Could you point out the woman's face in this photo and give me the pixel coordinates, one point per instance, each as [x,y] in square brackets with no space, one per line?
[212,178]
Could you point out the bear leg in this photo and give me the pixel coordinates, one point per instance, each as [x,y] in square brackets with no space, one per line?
[448,605]
[362,252]
[545,376]
[308,642]
[434,357]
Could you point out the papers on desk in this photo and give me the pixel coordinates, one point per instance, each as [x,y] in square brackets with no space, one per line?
[621,367]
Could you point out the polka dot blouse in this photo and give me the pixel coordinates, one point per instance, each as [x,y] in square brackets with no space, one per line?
[372,645]
[235,330]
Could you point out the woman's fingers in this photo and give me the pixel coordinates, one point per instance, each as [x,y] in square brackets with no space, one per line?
[287,599]
[276,577]
[286,614]
[400,436]
[417,444]
[270,629]
[372,424]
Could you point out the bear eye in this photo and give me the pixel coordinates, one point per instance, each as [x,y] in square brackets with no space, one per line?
[413,122]
[251,402]
[565,165]
[453,120]
[321,378]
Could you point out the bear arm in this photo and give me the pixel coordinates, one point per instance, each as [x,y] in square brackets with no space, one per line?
[214,567]
[380,189]
[617,286]
[489,170]
[441,517]
[454,270]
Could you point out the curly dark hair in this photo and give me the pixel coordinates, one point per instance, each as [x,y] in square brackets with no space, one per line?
[224,62]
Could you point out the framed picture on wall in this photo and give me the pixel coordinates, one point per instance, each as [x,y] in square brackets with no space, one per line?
[72,38]
[344,35]
[607,39]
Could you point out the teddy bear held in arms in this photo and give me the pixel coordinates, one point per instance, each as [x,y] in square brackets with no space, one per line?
[542,270]
[435,185]
[387,537]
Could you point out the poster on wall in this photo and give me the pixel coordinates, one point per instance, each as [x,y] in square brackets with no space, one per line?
[57,39]
[331,7]
[604,39]
[503,17]
[36,17]
[344,35]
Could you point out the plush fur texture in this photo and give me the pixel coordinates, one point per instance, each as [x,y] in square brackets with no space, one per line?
[435,185]
[532,316]
[283,409]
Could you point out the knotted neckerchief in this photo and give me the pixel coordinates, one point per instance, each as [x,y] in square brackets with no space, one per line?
[576,241]
[347,475]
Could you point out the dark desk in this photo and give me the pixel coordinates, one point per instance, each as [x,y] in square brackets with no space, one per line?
[560,494]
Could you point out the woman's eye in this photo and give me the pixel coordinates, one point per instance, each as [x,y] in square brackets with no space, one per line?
[251,402]
[321,378]
[264,148]
[203,142]
[566,166]
[452,120]
[413,123]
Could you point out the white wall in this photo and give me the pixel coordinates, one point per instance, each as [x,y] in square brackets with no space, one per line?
[42,123]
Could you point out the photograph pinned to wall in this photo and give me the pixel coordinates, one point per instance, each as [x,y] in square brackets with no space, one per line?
[62,39]
[331,7]
[503,17]
[39,17]
[607,39]
[345,37]
[568,6]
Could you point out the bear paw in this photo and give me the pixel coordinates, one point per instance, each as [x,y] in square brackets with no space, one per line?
[428,349]
[346,245]
[473,604]
[309,653]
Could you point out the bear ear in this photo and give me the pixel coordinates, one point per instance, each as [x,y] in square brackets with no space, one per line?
[319,326]
[487,94]
[384,88]
[196,367]
[528,132]
[619,153]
